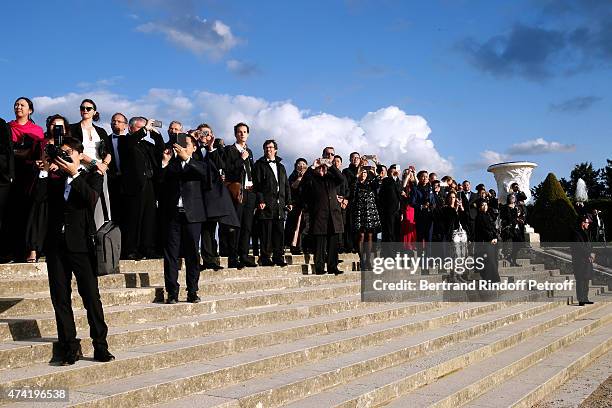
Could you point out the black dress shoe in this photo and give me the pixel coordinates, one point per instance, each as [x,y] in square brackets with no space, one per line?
[336,271]
[296,251]
[103,356]
[588,302]
[265,262]
[248,263]
[192,297]
[134,256]
[171,300]
[581,303]
[280,262]
[319,272]
[72,357]
[214,266]
[234,264]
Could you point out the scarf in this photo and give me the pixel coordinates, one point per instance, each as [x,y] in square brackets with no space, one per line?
[30,129]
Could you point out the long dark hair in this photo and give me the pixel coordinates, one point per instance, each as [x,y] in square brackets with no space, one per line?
[96,116]
[50,121]
[30,105]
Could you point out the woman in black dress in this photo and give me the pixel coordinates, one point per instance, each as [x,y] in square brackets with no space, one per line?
[366,220]
[447,218]
[485,235]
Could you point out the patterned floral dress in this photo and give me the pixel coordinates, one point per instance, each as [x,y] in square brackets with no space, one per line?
[365,213]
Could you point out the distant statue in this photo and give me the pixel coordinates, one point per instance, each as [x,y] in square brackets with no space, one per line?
[581,191]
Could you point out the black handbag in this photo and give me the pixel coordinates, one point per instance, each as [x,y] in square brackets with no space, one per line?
[107,244]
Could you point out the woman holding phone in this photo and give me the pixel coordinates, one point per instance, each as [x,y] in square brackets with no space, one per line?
[96,150]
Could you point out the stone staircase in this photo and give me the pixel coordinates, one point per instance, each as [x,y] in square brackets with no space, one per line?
[271,337]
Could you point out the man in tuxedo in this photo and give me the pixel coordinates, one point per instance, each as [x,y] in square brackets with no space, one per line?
[72,198]
[239,164]
[273,198]
[468,201]
[207,153]
[182,216]
[390,195]
[319,190]
[119,124]
[140,153]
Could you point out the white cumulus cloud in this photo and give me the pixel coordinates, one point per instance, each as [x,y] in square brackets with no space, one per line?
[389,132]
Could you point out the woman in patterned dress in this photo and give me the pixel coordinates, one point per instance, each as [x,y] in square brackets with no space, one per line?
[366,221]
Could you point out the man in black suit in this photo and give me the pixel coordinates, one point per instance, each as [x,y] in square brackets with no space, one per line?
[319,187]
[239,164]
[350,174]
[273,197]
[72,198]
[583,258]
[468,201]
[183,214]
[119,125]
[390,196]
[140,153]
[207,153]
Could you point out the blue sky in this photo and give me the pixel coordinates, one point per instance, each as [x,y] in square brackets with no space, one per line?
[448,85]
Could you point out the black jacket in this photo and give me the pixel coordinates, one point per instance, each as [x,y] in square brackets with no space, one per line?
[215,157]
[140,160]
[106,147]
[7,157]
[75,215]
[276,194]
[185,182]
[581,250]
[469,207]
[390,195]
[235,167]
[484,230]
[319,193]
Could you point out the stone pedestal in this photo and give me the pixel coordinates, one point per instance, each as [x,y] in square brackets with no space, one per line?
[515,172]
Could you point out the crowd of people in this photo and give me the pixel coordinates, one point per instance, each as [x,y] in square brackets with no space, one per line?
[191,196]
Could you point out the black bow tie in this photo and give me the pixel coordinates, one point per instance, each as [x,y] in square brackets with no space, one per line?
[271,161]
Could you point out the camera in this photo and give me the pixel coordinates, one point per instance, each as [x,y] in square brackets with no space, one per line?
[53,150]
[156,123]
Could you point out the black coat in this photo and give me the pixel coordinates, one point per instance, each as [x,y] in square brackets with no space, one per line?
[7,157]
[186,182]
[276,194]
[75,214]
[484,230]
[320,195]
[511,228]
[470,210]
[390,195]
[235,167]
[446,220]
[215,157]
[217,201]
[581,250]
[77,132]
[350,174]
[140,160]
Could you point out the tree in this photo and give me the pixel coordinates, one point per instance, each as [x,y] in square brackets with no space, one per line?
[553,217]
[590,176]
[606,178]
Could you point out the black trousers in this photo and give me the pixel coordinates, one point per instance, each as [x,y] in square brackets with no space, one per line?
[272,239]
[326,244]
[139,221]
[390,226]
[61,264]
[116,199]
[582,288]
[239,240]
[5,190]
[208,242]
[181,235]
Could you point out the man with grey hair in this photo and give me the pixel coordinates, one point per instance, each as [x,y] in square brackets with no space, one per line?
[140,152]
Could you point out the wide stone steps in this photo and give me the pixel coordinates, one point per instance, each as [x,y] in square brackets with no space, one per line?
[271,337]
[331,383]
[205,364]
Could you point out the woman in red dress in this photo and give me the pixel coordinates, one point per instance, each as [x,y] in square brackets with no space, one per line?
[408,226]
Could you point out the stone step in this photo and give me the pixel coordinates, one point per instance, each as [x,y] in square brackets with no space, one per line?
[540,276]
[38,325]
[39,269]
[534,384]
[381,385]
[338,313]
[296,275]
[485,376]
[208,362]
[580,388]
[19,305]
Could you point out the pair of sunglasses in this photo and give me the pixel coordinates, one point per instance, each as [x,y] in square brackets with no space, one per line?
[86,108]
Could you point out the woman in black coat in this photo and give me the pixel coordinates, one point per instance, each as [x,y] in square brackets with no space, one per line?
[582,260]
[295,223]
[512,228]
[448,219]
[485,235]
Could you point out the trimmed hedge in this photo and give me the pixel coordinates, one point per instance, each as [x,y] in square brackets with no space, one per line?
[553,215]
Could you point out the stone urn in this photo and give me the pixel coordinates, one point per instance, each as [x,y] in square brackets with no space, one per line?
[508,173]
